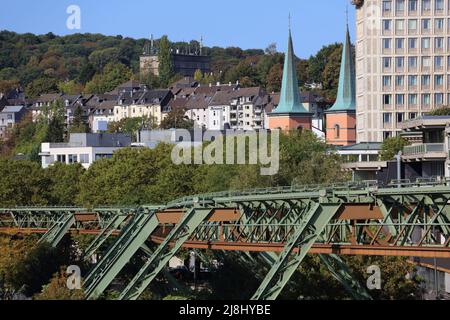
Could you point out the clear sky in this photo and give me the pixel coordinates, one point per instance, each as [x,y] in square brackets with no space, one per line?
[243,23]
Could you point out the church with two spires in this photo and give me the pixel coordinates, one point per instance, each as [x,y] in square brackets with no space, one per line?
[340,120]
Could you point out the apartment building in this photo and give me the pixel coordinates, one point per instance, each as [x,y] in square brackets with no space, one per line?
[83,148]
[402,63]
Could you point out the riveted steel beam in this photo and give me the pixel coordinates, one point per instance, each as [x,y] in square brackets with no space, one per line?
[119,254]
[180,233]
[340,271]
[310,226]
[55,234]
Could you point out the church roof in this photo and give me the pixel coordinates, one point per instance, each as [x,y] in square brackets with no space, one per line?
[346,95]
[290,101]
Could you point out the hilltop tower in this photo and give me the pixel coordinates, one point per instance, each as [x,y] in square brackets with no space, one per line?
[290,113]
[341,117]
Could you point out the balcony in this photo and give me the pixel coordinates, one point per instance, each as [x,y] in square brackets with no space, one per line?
[426,151]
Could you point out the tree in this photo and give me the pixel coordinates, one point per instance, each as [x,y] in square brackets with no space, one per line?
[57,289]
[274,78]
[112,75]
[41,86]
[64,183]
[165,61]
[131,126]
[176,119]
[198,76]
[443,111]
[271,49]
[56,126]
[78,125]
[391,147]
[34,270]
[317,63]
[70,87]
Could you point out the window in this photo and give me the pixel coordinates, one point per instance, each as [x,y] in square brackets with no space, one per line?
[84,158]
[99,156]
[387,6]
[426,62]
[337,131]
[412,43]
[400,25]
[400,6]
[426,24]
[386,118]
[439,24]
[426,5]
[412,99]
[439,80]
[387,62]
[412,5]
[386,81]
[387,99]
[426,99]
[412,81]
[400,117]
[73,158]
[439,98]
[425,43]
[61,158]
[412,62]
[399,81]
[386,43]
[399,99]
[438,62]
[399,43]
[412,25]
[425,80]
[399,62]
[439,43]
[387,25]
[412,115]
[439,6]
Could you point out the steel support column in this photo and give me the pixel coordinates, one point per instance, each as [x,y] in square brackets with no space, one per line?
[311,225]
[182,231]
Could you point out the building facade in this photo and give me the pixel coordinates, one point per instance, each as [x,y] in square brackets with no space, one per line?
[402,63]
[83,148]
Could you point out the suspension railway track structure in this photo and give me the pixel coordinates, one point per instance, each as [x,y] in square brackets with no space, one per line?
[279,226]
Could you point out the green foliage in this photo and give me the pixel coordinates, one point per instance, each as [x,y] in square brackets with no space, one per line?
[78,125]
[34,270]
[22,183]
[444,111]
[131,126]
[112,75]
[391,148]
[41,86]
[165,62]
[178,120]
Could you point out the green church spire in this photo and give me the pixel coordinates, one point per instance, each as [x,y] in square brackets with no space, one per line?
[346,96]
[290,101]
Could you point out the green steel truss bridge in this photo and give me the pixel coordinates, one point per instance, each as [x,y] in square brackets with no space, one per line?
[275,227]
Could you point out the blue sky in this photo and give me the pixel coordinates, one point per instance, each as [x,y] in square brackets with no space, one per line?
[243,23]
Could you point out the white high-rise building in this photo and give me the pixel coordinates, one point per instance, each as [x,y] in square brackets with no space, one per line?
[402,63]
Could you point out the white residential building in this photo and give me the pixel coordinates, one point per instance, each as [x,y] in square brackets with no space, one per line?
[83,148]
